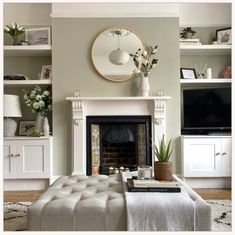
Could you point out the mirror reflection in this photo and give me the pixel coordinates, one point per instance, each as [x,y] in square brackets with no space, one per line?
[110,53]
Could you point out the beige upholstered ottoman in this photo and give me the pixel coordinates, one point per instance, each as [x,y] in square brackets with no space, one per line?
[98,203]
[80,203]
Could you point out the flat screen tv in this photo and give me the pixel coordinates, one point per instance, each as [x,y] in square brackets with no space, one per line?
[206,111]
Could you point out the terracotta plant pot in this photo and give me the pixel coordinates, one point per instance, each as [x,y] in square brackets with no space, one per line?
[163,171]
[95,169]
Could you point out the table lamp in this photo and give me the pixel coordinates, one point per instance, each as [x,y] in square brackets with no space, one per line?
[11,109]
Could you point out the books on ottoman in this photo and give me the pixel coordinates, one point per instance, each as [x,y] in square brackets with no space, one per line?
[152,186]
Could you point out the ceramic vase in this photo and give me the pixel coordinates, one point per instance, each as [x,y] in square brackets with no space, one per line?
[39,122]
[145,87]
[46,127]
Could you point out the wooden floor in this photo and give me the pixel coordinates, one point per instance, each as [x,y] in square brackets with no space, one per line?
[31,196]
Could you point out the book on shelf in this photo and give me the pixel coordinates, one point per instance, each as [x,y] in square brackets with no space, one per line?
[190,43]
[189,40]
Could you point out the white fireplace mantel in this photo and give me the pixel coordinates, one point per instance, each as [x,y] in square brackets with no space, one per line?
[112,106]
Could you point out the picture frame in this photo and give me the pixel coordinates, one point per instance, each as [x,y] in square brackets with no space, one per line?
[26,127]
[224,36]
[38,36]
[46,72]
[188,73]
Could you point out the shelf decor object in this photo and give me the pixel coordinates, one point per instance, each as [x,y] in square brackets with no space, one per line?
[14,30]
[144,66]
[11,109]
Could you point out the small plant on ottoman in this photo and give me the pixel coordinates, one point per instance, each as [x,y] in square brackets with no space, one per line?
[163,167]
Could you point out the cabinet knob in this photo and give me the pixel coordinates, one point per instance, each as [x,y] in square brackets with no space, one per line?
[224,153]
[11,155]
[217,154]
[17,155]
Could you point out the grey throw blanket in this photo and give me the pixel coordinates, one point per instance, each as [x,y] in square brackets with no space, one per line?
[158,211]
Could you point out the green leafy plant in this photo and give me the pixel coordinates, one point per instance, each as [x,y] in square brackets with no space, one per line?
[163,151]
[187,30]
[143,61]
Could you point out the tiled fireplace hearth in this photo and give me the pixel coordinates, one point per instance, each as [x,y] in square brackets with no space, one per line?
[116,130]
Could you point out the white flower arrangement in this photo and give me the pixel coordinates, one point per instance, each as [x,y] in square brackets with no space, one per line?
[38,100]
[14,29]
[142,61]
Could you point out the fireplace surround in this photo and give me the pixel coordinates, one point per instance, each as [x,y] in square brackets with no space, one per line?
[83,107]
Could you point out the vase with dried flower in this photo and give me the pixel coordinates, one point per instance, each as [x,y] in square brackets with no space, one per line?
[144,63]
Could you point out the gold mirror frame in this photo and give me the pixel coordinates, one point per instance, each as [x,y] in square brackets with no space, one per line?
[141,42]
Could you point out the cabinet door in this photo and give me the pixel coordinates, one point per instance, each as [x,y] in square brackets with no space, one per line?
[226,156]
[34,159]
[9,168]
[202,157]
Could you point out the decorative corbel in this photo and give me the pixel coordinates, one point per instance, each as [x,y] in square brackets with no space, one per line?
[159,111]
[77,111]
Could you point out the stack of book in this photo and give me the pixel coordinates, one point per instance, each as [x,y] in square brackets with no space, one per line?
[192,41]
[153,186]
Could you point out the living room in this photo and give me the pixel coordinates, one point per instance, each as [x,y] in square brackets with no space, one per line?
[86,90]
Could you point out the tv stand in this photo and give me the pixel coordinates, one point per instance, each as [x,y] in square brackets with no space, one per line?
[206,160]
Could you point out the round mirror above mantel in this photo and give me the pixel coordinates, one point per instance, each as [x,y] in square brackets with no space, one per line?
[110,53]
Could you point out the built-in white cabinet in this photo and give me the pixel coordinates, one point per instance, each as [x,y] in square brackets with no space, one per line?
[206,156]
[27,158]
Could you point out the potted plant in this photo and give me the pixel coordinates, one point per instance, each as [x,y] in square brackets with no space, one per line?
[163,167]
[14,30]
[187,33]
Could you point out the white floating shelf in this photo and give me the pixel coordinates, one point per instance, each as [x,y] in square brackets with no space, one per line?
[205,81]
[31,50]
[27,82]
[205,49]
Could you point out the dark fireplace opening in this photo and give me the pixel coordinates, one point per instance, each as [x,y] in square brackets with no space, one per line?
[117,141]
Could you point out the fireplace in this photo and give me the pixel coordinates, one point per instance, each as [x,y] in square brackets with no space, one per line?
[83,107]
[118,141]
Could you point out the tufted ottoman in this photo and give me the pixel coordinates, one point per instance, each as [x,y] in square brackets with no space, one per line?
[80,203]
[102,203]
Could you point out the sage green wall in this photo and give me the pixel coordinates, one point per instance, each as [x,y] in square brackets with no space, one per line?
[72,69]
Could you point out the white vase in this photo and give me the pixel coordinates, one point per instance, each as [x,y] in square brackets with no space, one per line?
[39,122]
[145,86]
[46,127]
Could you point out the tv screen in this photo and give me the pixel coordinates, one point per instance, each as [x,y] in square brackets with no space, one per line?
[207,109]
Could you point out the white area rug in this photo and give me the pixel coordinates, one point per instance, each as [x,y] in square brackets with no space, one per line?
[221,215]
[15,215]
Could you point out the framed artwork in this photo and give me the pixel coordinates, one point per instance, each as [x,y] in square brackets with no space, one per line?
[188,73]
[38,36]
[46,72]
[26,127]
[224,36]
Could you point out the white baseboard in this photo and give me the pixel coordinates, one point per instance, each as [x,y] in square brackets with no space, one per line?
[25,184]
[223,182]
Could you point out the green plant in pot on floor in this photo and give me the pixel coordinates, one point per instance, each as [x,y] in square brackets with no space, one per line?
[163,167]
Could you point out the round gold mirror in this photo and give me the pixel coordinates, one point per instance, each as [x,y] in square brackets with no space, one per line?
[110,53]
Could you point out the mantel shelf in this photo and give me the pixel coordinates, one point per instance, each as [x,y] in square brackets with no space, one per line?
[205,49]
[27,82]
[127,98]
[31,50]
